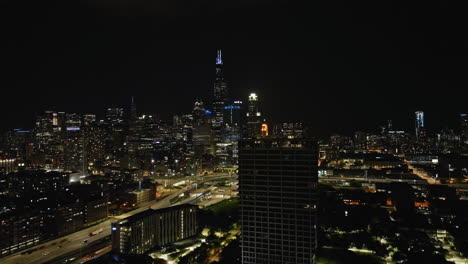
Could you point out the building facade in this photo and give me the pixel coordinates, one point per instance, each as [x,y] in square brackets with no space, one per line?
[419,123]
[253,117]
[278,199]
[154,228]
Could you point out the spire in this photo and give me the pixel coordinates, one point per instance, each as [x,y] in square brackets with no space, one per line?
[219,60]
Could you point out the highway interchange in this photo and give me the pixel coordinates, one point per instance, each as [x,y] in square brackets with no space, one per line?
[78,241]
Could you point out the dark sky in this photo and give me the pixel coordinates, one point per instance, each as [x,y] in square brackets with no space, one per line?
[340,65]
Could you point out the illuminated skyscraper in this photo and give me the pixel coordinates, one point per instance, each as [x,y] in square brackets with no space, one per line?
[253,117]
[419,123]
[233,114]
[220,98]
[278,200]
[199,113]
[73,144]
[202,134]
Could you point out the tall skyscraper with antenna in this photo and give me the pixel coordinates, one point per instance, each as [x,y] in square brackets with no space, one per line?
[220,97]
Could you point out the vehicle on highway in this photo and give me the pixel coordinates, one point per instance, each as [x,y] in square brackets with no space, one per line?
[45,253]
[96,232]
[28,252]
[85,241]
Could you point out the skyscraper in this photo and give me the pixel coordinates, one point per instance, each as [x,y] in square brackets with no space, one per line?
[73,144]
[233,114]
[419,123]
[133,110]
[278,200]
[114,115]
[220,98]
[253,117]
[202,134]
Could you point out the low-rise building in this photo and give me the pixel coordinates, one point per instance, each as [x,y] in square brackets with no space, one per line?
[154,228]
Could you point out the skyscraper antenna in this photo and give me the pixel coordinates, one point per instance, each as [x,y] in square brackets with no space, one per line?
[219,59]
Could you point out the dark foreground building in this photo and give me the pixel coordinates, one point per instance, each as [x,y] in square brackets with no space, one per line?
[278,199]
[144,231]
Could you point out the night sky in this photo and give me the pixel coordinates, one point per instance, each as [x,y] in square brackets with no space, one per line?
[340,65]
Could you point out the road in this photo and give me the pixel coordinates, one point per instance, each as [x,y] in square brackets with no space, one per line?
[50,250]
[216,176]
[422,174]
[369,180]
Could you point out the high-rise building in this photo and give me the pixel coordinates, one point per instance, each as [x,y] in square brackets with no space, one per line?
[220,98]
[184,130]
[140,233]
[202,134]
[133,110]
[278,200]
[44,135]
[115,115]
[199,113]
[93,151]
[233,114]
[73,144]
[253,115]
[419,123]
[89,119]
[464,124]
[19,230]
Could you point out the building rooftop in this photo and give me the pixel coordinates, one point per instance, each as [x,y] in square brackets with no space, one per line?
[150,212]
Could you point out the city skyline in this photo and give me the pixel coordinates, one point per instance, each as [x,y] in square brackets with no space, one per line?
[405,124]
[107,53]
[233,132]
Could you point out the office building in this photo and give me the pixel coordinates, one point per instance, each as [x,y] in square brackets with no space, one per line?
[419,124]
[278,200]
[233,114]
[149,229]
[73,144]
[19,230]
[133,110]
[253,115]
[115,115]
[7,165]
[202,133]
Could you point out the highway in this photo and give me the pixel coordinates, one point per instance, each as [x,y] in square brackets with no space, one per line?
[422,174]
[63,246]
[369,180]
[60,246]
